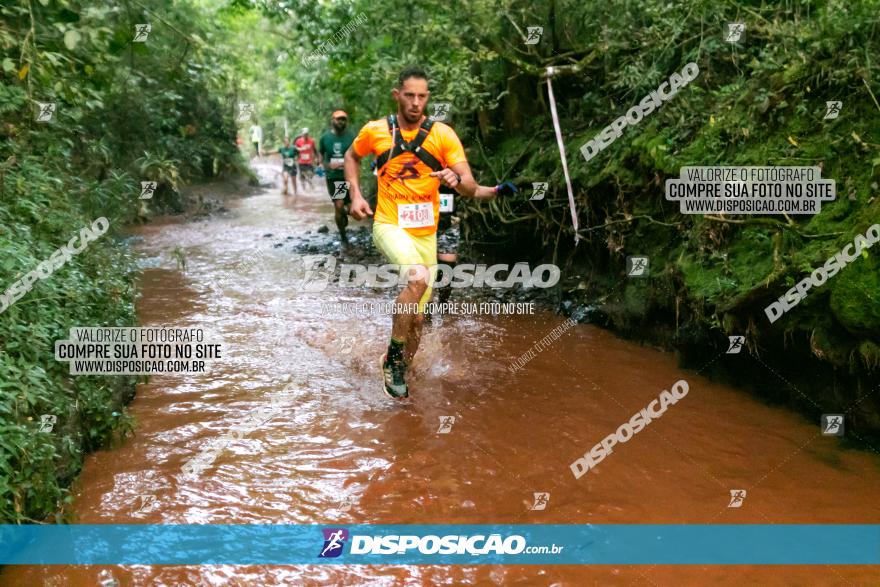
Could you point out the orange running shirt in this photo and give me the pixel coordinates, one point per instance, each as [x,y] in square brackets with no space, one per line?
[405,180]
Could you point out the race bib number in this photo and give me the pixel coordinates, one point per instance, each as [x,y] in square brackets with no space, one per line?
[447,204]
[415,215]
[288,161]
[337,160]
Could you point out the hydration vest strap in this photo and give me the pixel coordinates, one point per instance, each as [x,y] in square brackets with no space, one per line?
[414,146]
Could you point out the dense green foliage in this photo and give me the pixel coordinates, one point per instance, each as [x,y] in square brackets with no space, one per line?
[125,113]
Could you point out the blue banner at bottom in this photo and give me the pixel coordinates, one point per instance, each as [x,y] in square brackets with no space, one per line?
[442,544]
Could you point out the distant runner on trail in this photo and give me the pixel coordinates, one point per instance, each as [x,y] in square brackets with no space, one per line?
[449,234]
[288,165]
[306,147]
[414,155]
[332,147]
[448,237]
[256,132]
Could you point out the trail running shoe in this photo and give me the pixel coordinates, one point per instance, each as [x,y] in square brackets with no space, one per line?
[394,385]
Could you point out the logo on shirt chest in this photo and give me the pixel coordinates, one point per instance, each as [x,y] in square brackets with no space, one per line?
[407,171]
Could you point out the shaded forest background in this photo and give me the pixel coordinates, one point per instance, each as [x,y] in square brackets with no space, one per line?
[164,110]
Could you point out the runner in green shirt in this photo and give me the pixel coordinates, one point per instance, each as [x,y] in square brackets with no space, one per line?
[288,165]
[331,148]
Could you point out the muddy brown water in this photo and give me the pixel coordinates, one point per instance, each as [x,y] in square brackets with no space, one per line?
[340,452]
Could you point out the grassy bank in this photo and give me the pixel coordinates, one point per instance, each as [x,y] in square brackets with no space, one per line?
[124,112]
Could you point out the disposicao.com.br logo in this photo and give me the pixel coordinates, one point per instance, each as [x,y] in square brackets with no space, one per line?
[314,273]
[431,544]
[334,542]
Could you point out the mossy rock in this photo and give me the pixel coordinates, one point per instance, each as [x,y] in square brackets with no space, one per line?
[855,296]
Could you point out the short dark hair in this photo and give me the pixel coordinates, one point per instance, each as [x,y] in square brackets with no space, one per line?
[408,72]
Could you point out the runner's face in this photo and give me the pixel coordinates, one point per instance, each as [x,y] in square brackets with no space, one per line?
[412,99]
[340,123]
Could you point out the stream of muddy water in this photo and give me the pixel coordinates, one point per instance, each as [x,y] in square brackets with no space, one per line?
[339,451]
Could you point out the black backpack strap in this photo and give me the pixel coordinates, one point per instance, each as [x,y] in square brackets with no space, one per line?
[415,146]
[396,148]
[417,150]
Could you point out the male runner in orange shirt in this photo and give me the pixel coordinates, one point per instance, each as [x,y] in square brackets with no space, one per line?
[414,155]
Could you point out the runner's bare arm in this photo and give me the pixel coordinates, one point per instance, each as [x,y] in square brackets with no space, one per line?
[459,178]
[359,208]
[485,192]
[481,192]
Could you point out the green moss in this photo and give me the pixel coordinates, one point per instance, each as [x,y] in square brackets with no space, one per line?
[635,298]
[724,277]
[855,295]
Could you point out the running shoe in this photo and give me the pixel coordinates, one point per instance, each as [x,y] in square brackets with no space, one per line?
[394,385]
